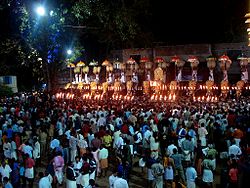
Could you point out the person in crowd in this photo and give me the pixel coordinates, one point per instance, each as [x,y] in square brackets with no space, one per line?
[7,183]
[36,151]
[14,175]
[103,158]
[233,175]
[207,175]
[77,167]
[73,146]
[43,136]
[120,182]
[94,165]
[157,172]
[29,170]
[137,140]
[70,176]
[107,140]
[177,157]
[169,168]
[5,170]
[202,132]
[83,145]
[112,178]
[58,164]
[191,176]
[234,150]
[45,180]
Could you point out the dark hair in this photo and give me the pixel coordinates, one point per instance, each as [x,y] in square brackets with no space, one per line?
[92,182]
[5,179]
[40,174]
[175,150]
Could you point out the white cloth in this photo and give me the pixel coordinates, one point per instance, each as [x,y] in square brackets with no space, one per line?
[7,150]
[84,180]
[191,174]
[150,174]
[45,182]
[54,143]
[36,151]
[112,179]
[92,175]
[29,173]
[5,171]
[70,184]
[235,150]
[13,150]
[170,149]
[59,176]
[27,150]
[207,176]
[103,153]
[77,167]
[169,173]
[120,183]
[191,184]
[142,163]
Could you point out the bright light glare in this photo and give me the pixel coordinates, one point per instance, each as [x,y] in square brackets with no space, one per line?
[40,11]
[69,52]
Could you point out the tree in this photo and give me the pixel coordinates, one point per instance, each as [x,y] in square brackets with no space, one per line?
[5,91]
[116,23]
[36,44]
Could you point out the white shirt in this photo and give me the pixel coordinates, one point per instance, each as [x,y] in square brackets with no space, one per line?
[45,182]
[54,143]
[120,183]
[191,174]
[5,171]
[36,151]
[103,153]
[202,132]
[119,142]
[82,143]
[27,150]
[77,166]
[235,150]
[112,179]
[171,148]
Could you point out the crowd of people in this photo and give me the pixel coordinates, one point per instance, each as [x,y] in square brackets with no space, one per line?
[77,142]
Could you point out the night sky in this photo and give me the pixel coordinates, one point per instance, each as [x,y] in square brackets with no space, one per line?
[188,21]
[198,21]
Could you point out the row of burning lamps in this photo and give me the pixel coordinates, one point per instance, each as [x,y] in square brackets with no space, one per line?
[165,87]
[154,97]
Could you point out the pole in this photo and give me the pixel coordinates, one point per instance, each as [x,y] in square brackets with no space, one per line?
[70,77]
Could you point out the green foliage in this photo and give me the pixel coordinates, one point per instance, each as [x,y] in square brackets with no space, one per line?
[37,43]
[116,23]
[5,91]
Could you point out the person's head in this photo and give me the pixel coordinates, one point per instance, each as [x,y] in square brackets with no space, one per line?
[92,182]
[77,158]
[189,164]
[40,174]
[3,163]
[119,174]
[5,180]
[114,172]
[70,163]
[233,142]
[175,150]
